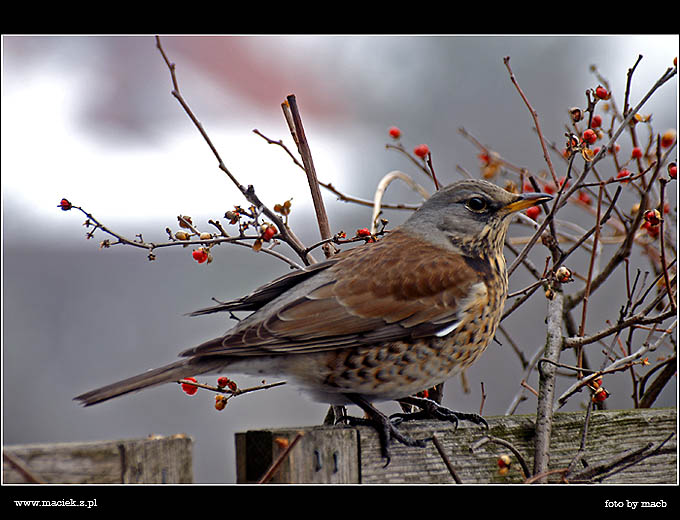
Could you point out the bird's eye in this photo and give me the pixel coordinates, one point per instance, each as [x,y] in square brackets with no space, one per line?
[476,204]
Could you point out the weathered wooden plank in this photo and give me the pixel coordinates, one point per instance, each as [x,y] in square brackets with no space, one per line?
[324,454]
[155,460]
[612,434]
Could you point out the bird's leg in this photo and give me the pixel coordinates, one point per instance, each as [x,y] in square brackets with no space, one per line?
[386,429]
[430,409]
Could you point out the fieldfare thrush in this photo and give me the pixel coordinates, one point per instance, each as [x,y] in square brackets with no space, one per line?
[378,322]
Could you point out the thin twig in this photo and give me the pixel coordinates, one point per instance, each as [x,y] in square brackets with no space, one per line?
[21,468]
[380,192]
[279,460]
[298,131]
[534,115]
[446,459]
[662,246]
[605,470]
[341,196]
[489,438]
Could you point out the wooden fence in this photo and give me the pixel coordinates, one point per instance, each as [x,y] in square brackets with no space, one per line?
[154,460]
[469,455]
[623,447]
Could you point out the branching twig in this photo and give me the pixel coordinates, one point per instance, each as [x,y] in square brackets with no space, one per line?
[248,192]
[534,115]
[546,390]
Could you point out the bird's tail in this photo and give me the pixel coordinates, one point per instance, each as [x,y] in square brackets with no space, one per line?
[165,374]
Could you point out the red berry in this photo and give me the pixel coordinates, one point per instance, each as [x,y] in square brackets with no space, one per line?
[653,217]
[364,232]
[200,255]
[268,233]
[600,395]
[601,92]
[636,153]
[652,231]
[622,174]
[504,461]
[222,381]
[584,197]
[549,189]
[65,205]
[395,132]
[596,122]
[673,170]
[190,389]
[668,138]
[533,212]
[589,136]
[421,150]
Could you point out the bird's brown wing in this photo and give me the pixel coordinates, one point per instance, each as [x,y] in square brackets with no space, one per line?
[398,287]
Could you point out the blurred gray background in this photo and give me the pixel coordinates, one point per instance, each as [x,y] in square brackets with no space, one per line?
[91,118]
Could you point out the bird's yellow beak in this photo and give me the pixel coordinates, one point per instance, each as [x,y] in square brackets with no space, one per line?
[526,200]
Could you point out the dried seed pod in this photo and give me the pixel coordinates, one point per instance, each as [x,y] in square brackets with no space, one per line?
[576,114]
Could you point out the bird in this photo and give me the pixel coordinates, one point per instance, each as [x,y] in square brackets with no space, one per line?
[378,322]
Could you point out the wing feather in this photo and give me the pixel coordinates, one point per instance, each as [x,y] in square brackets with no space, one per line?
[368,294]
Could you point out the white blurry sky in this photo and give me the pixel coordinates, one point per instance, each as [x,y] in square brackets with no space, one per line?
[91,118]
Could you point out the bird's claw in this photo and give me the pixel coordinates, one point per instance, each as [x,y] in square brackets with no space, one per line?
[385,428]
[432,410]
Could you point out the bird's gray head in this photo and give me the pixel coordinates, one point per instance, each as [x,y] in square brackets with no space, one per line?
[470,214]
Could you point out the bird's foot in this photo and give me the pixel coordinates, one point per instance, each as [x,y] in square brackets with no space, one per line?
[387,429]
[430,409]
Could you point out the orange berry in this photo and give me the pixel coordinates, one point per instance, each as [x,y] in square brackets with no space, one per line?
[668,138]
[220,402]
